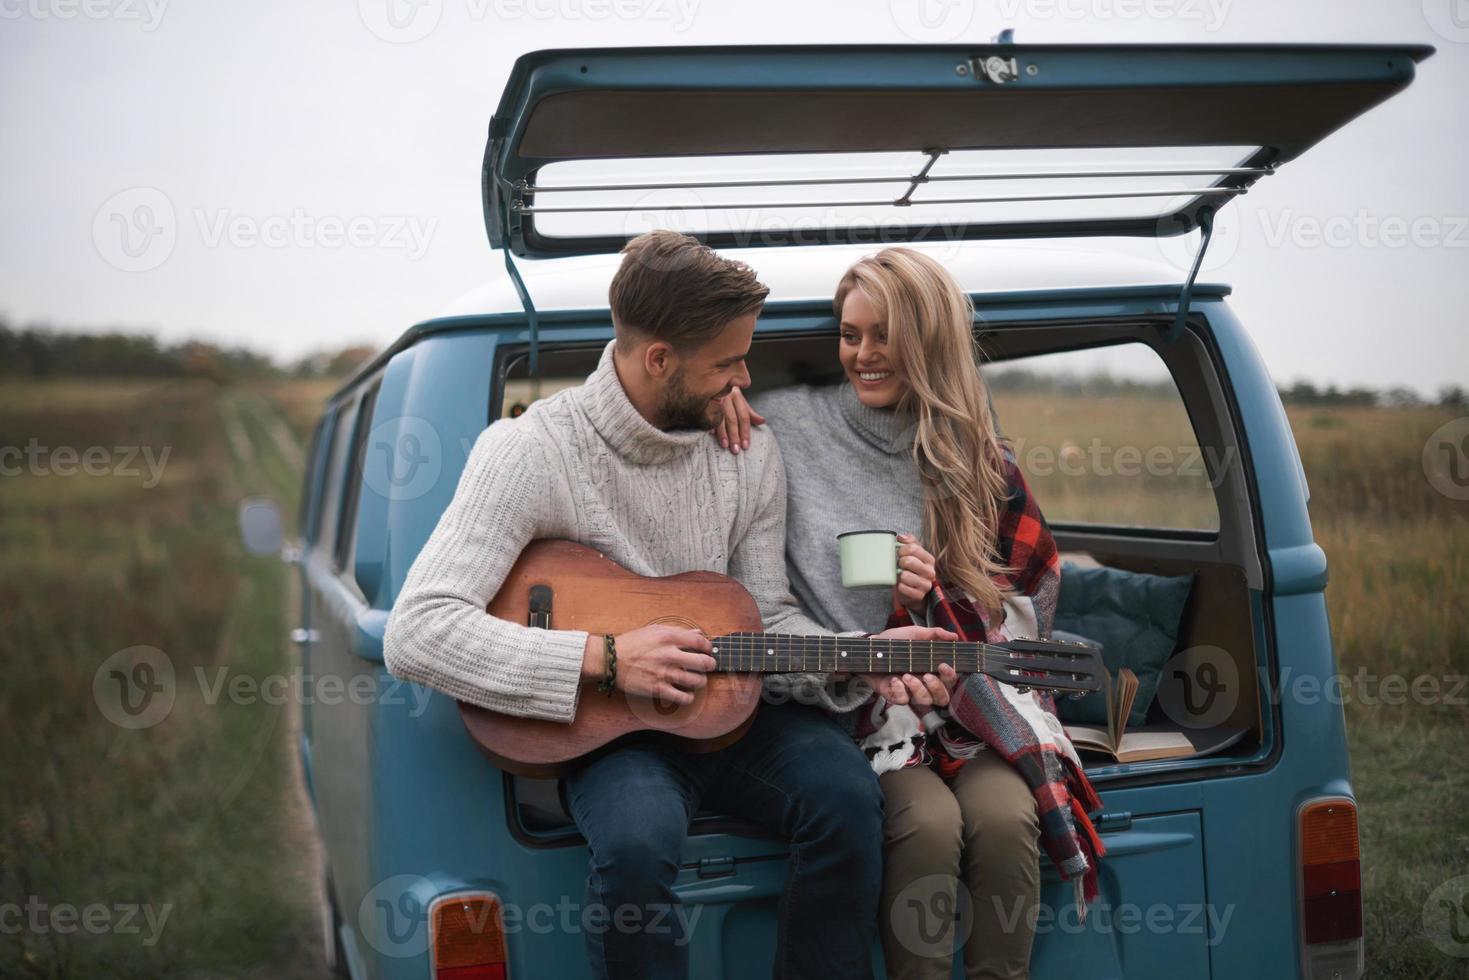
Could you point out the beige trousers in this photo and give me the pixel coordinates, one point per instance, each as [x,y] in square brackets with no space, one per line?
[969,852]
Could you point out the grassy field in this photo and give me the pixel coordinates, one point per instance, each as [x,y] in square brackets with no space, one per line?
[184,849]
[181,849]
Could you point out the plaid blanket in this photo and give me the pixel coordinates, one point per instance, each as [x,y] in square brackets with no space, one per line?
[984,712]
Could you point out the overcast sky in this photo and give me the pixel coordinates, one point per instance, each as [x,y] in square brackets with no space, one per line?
[247,137]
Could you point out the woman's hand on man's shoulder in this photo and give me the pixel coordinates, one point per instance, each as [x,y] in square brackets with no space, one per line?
[733,431]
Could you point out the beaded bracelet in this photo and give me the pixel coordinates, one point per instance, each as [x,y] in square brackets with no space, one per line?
[608,684]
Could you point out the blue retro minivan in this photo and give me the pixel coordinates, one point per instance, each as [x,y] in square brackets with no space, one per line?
[1150,431]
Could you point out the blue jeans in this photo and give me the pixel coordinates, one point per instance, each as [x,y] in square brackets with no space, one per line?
[795,772]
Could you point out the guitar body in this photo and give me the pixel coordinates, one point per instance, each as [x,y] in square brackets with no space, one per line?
[593,593]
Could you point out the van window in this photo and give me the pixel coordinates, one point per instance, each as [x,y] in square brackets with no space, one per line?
[1102,434]
[521,393]
[310,508]
[336,466]
[347,528]
[1103,437]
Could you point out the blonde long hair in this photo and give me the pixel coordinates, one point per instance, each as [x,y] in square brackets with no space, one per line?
[931,343]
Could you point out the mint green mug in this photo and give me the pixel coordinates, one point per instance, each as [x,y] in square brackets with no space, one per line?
[869,559]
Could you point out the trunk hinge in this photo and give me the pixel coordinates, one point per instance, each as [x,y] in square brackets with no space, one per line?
[1206,226]
[526,304]
[531,322]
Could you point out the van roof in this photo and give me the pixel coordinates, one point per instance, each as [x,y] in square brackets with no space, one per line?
[581,282]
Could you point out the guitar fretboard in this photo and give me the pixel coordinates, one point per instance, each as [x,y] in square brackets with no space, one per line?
[782,653]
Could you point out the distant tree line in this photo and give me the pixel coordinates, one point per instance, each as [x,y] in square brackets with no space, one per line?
[1102,385]
[1401,396]
[36,352]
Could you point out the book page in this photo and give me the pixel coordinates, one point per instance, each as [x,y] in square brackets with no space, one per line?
[1090,737]
[1142,746]
[1119,710]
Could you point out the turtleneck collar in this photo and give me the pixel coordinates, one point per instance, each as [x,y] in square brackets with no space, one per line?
[629,434]
[885,428]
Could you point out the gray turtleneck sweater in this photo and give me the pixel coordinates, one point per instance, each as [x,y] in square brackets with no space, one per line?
[583,464]
[848,468]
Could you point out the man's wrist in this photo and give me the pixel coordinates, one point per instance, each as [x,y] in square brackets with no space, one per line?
[594,658]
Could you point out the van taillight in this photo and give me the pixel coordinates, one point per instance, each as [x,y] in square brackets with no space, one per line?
[1331,889]
[468,938]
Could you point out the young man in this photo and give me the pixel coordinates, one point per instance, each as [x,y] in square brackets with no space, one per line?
[625,464]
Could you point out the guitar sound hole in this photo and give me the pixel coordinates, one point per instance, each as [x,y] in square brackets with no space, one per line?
[680,621]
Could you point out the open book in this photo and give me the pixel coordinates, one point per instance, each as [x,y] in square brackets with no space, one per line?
[1115,740]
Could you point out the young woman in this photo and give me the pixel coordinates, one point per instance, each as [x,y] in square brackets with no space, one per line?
[976,774]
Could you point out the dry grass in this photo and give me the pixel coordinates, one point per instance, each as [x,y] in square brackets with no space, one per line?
[196,817]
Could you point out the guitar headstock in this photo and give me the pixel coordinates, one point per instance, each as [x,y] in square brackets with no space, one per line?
[1052,665]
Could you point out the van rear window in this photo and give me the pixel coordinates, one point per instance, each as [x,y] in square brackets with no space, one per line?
[1103,437]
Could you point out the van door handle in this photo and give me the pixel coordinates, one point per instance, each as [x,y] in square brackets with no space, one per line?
[302,636]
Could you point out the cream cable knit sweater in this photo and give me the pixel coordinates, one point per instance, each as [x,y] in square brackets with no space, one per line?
[583,464]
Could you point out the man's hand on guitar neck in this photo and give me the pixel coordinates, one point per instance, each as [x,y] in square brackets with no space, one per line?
[661,662]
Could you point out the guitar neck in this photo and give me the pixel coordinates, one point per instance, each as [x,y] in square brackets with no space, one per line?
[782,653]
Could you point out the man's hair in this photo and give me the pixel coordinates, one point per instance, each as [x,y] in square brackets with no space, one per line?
[674,288]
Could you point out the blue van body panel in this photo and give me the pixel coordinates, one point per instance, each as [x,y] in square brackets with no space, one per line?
[1220,851]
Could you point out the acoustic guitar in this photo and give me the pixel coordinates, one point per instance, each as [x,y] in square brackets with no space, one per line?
[563,585]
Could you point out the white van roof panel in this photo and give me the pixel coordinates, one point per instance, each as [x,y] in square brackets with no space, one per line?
[580,282]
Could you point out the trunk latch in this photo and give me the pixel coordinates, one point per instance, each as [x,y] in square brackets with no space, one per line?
[996,68]
[720,867]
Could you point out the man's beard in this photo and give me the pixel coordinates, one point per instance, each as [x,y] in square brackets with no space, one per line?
[680,408]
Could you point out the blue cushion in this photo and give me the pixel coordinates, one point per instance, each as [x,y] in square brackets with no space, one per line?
[1134,617]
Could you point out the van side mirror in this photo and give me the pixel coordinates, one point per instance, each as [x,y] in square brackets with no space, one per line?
[260,527]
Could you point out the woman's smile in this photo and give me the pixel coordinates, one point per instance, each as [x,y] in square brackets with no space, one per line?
[873,379]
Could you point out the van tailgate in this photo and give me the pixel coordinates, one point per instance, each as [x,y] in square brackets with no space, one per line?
[1152,918]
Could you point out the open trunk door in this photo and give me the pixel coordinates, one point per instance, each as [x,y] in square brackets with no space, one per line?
[748,146]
